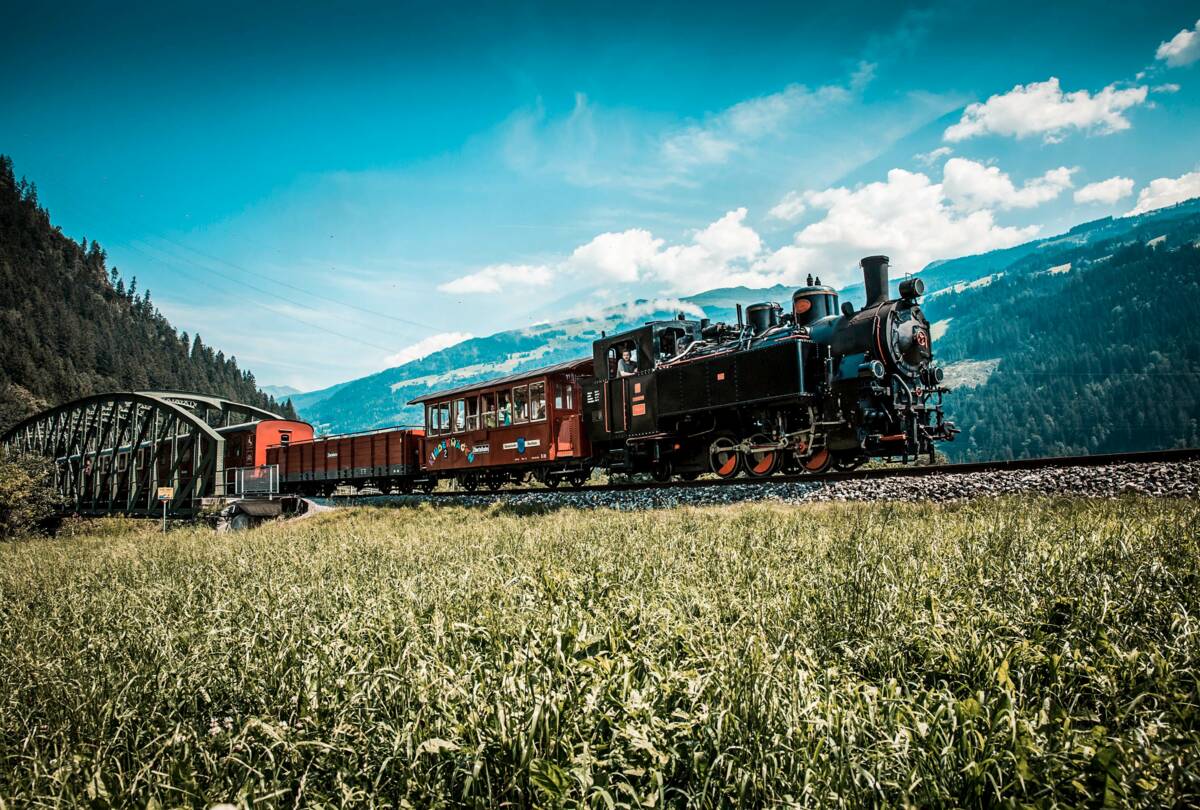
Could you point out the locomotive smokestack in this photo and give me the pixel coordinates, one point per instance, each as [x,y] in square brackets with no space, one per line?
[875,278]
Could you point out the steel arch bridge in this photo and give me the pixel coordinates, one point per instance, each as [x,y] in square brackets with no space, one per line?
[112,452]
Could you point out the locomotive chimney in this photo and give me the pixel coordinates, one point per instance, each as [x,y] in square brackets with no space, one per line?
[875,278]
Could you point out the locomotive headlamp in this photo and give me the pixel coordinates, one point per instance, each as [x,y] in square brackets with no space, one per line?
[872,368]
[933,375]
[912,288]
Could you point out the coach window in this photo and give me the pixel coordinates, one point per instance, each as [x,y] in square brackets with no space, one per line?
[430,418]
[487,404]
[472,413]
[520,403]
[443,417]
[460,415]
[570,396]
[285,439]
[537,401]
[504,413]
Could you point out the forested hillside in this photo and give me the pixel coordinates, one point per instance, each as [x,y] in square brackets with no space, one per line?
[70,327]
[1099,353]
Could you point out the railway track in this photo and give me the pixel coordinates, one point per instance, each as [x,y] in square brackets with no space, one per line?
[898,471]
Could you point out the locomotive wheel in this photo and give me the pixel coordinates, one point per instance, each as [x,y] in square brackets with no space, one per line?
[761,463]
[661,471]
[469,483]
[494,482]
[724,458]
[818,462]
[578,480]
[552,481]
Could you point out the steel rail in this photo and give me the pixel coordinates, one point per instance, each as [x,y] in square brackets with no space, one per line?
[898,471]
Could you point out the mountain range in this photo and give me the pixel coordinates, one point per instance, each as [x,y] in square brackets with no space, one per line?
[1006,324]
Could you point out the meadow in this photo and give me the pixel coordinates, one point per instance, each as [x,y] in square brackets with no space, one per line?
[1010,651]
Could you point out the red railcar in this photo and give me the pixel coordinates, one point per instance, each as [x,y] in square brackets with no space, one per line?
[508,429]
[385,459]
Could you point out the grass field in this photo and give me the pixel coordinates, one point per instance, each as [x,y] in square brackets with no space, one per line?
[1023,651]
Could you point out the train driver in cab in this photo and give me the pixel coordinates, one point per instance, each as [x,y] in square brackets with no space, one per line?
[626,366]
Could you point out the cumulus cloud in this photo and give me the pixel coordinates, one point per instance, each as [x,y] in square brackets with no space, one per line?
[972,186]
[426,346]
[618,256]
[1106,192]
[789,208]
[498,277]
[1182,49]
[1042,108]
[933,156]
[1167,191]
[907,217]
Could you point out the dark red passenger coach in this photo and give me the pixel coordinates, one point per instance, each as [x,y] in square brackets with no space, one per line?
[525,425]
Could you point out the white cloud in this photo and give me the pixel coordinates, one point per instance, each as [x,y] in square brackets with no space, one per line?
[426,346]
[1169,87]
[1167,191]
[498,277]
[722,134]
[729,238]
[933,156]
[907,217]
[619,256]
[1042,108]
[1106,192]
[1181,49]
[972,186]
[789,208]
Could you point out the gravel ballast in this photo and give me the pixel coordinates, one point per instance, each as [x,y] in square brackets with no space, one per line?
[1179,479]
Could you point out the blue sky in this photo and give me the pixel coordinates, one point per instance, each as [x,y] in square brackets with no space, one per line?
[326,193]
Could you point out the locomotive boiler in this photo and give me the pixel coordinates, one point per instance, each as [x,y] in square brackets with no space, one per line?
[820,385]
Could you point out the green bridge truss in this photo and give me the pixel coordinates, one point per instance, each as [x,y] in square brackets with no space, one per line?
[112,452]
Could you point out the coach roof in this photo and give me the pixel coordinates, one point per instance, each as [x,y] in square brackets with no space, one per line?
[577,366]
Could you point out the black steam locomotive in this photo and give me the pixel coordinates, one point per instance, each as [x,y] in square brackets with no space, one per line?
[807,389]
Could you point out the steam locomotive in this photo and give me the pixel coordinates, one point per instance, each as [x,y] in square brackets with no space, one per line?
[815,387]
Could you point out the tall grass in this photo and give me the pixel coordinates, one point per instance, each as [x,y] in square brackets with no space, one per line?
[1003,651]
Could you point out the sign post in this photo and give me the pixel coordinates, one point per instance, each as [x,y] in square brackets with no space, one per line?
[165,494]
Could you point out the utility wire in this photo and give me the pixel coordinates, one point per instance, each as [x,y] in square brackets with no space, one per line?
[272,280]
[178,260]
